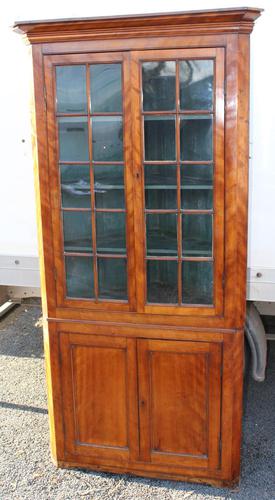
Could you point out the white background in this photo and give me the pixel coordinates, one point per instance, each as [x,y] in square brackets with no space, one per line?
[17,203]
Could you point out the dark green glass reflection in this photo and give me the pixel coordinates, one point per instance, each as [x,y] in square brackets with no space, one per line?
[73,139]
[159,85]
[197,235]
[197,187]
[161,232]
[71,89]
[112,278]
[107,133]
[197,282]
[162,281]
[77,228]
[110,232]
[159,138]
[160,186]
[196,138]
[79,277]
[75,186]
[106,95]
[109,186]
[196,84]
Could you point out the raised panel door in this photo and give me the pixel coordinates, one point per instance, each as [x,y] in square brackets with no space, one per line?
[99,395]
[179,402]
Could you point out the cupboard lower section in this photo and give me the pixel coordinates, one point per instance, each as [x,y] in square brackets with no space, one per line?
[154,407]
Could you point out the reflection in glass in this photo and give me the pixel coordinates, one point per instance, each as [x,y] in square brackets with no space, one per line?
[112,278]
[161,232]
[197,235]
[162,281]
[73,139]
[159,85]
[71,89]
[196,84]
[197,187]
[109,186]
[196,138]
[197,282]
[75,186]
[110,232]
[159,138]
[79,277]
[160,186]
[77,230]
[106,95]
[107,133]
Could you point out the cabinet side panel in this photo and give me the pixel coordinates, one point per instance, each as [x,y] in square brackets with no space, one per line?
[242,175]
[43,210]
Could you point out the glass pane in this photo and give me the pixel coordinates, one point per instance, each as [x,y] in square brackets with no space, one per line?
[159,85]
[79,277]
[109,186]
[112,279]
[73,139]
[197,235]
[196,84]
[71,89]
[159,138]
[162,281]
[77,228]
[196,138]
[197,187]
[161,234]
[107,132]
[75,186]
[197,282]
[160,186]
[110,232]
[106,95]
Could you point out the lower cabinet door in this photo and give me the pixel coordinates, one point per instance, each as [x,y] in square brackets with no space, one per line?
[99,396]
[179,403]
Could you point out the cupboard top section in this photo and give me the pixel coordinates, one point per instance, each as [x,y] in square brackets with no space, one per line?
[235,20]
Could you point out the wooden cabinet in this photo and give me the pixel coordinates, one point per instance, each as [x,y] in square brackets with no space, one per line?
[141,174]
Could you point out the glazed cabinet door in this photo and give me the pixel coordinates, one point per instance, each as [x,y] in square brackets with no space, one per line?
[99,396]
[179,403]
[90,179]
[178,123]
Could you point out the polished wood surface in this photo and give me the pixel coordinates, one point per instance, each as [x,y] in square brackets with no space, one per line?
[235,20]
[152,390]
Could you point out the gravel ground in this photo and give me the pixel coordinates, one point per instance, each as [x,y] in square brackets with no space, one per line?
[26,470]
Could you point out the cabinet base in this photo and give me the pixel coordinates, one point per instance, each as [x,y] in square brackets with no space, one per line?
[217,482]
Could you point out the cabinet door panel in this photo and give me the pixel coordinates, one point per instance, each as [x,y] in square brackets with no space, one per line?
[99,399]
[179,185]
[179,399]
[90,172]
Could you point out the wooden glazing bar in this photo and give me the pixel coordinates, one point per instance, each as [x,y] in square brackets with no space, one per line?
[179,228]
[93,218]
[111,255]
[76,209]
[74,163]
[78,254]
[180,112]
[112,210]
[193,162]
[107,162]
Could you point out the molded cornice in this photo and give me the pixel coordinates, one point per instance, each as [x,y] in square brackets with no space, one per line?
[235,20]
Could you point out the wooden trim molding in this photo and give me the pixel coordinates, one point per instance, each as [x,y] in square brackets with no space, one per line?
[235,20]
